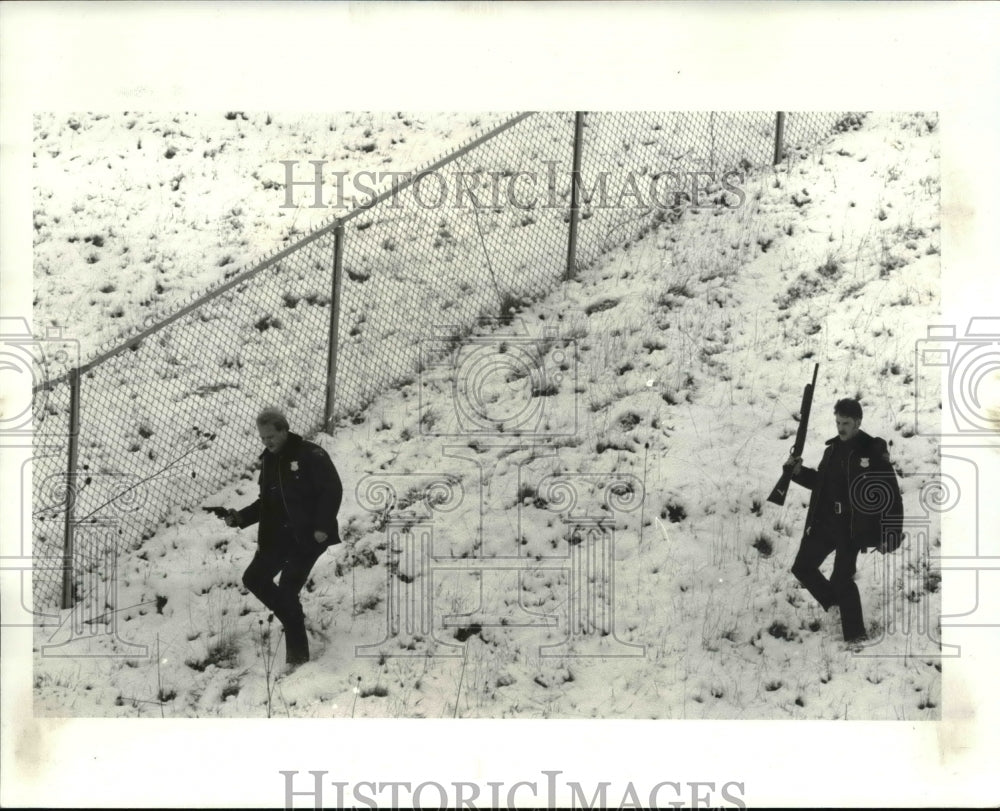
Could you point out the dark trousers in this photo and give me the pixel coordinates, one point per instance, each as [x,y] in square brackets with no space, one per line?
[283,598]
[840,589]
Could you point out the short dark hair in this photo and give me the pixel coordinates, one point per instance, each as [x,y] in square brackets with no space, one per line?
[273,417]
[848,407]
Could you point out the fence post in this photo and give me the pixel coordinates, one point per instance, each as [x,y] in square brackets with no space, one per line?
[779,137]
[71,464]
[574,205]
[334,343]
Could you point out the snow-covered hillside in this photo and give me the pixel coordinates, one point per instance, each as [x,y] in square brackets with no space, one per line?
[674,368]
[136,212]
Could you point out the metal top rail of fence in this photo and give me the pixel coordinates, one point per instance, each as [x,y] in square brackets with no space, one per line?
[121,344]
[147,428]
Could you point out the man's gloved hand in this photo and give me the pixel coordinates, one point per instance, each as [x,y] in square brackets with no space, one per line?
[320,536]
[793,463]
[232,519]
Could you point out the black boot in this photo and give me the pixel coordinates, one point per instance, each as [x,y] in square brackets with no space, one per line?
[296,643]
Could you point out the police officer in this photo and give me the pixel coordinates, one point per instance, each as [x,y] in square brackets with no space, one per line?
[296,513]
[855,506]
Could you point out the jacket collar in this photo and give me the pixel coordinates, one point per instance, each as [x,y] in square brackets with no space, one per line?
[862,439]
[292,444]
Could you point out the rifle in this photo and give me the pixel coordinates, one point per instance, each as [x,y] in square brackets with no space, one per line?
[781,488]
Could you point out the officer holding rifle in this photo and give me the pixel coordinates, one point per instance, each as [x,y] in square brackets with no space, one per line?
[855,506]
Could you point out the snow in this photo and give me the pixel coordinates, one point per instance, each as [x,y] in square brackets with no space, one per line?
[677,364]
[162,206]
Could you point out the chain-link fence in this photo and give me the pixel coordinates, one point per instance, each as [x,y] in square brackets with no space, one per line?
[472,240]
[359,305]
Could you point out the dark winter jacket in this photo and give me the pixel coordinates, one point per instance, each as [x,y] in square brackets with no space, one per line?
[873,508]
[300,494]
